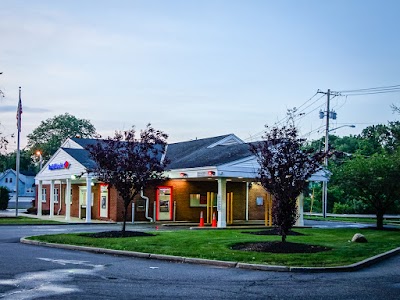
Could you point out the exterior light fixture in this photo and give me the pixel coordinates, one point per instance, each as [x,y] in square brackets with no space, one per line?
[39,153]
[184,175]
[211,173]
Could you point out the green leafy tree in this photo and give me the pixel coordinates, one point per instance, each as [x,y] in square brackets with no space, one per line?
[380,138]
[51,133]
[4,197]
[373,180]
[127,162]
[27,164]
[284,171]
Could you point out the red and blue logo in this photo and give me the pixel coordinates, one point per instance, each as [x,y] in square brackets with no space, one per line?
[60,166]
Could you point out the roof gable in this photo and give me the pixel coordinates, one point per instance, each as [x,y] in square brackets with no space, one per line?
[228,140]
[79,143]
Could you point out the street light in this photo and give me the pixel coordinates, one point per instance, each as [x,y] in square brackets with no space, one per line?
[325,183]
[38,153]
[351,126]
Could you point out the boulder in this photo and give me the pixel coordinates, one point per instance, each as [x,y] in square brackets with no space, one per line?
[359,238]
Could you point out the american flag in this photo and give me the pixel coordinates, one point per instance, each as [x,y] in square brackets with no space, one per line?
[19,112]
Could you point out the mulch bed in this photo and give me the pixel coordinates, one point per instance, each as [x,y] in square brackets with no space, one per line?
[279,247]
[273,231]
[116,234]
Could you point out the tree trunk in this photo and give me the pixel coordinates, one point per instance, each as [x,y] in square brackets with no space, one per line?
[283,237]
[379,220]
[125,217]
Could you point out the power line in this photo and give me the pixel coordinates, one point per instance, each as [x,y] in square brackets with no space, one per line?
[370,89]
[299,114]
[373,92]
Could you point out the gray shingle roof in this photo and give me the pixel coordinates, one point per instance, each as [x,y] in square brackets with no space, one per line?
[190,154]
[85,142]
[82,156]
[195,153]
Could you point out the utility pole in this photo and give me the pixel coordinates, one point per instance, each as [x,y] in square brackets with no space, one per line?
[325,183]
[328,115]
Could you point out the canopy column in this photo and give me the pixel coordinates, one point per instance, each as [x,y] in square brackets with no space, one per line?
[300,210]
[39,200]
[68,200]
[88,198]
[221,203]
[51,198]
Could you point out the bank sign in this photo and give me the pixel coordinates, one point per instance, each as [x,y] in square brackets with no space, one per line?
[60,166]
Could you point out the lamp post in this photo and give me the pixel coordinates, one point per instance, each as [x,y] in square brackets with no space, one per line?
[38,153]
[325,183]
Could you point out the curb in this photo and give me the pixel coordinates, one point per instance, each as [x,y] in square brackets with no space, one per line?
[227,264]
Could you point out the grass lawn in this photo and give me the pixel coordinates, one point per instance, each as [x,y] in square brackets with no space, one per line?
[216,244]
[25,220]
[352,219]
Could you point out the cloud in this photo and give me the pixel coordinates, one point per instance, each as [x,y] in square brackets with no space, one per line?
[11,108]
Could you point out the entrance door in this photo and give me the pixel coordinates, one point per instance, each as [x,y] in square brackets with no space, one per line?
[103,205]
[82,202]
[164,203]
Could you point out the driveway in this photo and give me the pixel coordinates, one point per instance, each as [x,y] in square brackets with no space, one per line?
[32,272]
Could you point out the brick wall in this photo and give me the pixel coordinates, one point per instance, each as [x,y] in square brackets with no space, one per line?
[256,212]
[181,189]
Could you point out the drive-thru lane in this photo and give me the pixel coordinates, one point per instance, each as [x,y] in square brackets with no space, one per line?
[31,272]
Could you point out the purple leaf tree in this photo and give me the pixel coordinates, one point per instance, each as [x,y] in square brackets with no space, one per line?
[284,170]
[128,163]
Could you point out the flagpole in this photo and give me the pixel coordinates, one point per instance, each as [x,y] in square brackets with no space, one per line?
[18,152]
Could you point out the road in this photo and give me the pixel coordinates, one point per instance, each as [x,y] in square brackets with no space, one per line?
[33,272]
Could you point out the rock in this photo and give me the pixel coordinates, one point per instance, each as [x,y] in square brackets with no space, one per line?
[359,238]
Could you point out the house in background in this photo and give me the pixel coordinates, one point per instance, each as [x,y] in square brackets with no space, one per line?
[26,187]
[214,175]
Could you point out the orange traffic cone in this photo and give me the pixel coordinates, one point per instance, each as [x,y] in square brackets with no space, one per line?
[201,219]
[214,221]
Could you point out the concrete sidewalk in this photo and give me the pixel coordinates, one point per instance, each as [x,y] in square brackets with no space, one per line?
[61,218]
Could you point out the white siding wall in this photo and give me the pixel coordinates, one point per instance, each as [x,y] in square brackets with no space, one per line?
[61,156]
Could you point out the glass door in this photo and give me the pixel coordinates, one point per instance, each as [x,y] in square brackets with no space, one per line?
[164,203]
[103,201]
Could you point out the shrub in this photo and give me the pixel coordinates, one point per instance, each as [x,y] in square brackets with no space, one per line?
[4,197]
[342,208]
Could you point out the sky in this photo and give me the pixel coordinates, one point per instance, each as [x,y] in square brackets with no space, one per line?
[197,69]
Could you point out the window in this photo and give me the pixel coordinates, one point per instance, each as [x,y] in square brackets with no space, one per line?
[43,195]
[198,200]
[6,180]
[55,195]
[140,205]
[30,190]
[10,179]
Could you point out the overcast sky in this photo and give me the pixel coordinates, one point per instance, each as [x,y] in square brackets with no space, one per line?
[197,68]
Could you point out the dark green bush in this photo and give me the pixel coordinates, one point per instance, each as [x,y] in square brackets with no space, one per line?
[4,197]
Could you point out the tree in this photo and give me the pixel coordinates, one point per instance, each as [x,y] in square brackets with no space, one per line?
[51,133]
[7,161]
[395,108]
[374,180]
[4,197]
[128,163]
[284,170]
[380,138]
[3,140]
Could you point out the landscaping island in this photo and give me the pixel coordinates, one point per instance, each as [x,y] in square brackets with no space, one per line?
[309,247]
